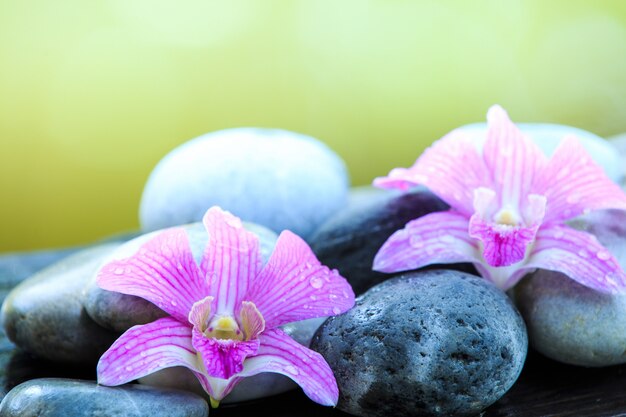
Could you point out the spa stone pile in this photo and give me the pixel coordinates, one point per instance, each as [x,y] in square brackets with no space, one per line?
[440,341]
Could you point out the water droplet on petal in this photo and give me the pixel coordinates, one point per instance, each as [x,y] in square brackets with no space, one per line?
[583,253]
[233,222]
[143,354]
[603,255]
[174,303]
[129,368]
[564,172]
[313,297]
[306,306]
[447,239]
[558,234]
[316,282]
[336,310]
[308,264]
[118,271]
[573,198]
[416,242]
[292,370]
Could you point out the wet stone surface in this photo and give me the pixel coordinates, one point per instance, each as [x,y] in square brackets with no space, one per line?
[427,343]
[44,314]
[54,397]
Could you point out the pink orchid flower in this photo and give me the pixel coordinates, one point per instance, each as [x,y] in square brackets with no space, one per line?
[508,207]
[226,311]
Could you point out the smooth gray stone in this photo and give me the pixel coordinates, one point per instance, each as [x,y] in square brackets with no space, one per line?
[259,386]
[275,178]
[350,239]
[119,312]
[428,343]
[44,314]
[55,397]
[569,322]
[548,136]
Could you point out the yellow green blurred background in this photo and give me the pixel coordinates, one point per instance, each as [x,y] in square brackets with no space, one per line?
[94,93]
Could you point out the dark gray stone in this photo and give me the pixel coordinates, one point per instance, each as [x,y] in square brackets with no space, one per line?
[350,239]
[44,314]
[569,322]
[55,397]
[119,312]
[428,343]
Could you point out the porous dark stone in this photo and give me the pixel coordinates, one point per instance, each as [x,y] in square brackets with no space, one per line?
[55,397]
[349,240]
[119,312]
[569,322]
[44,315]
[428,343]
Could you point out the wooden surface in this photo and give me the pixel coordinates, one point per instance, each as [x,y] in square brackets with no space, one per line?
[545,388]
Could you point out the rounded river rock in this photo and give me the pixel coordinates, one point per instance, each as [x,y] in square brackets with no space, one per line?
[55,397]
[428,343]
[569,322]
[276,178]
[44,315]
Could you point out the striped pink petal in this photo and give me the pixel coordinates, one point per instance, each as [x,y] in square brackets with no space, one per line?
[435,238]
[281,354]
[223,358]
[451,168]
[163,271]
[145,349]
[217,388]
[574,184]
[578,255]
[511,158]
[231,259]
[295,286]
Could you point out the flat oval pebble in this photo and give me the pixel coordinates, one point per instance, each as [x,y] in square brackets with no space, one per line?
[275,178]
[350,239]
[119,312]
[428,343]
[569,322]
[55,397]
[548,136]
[44,315]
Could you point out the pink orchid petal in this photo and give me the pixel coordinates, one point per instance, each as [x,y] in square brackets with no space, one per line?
[575,184]
[294,285]
[223,358]
[435,238]
[451,168]
[200,313]
[163,271]
[217,388]
[251,320]
[503,245]
[578,255]
[511,158]
[281,354]
[231,259]
[145,349]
